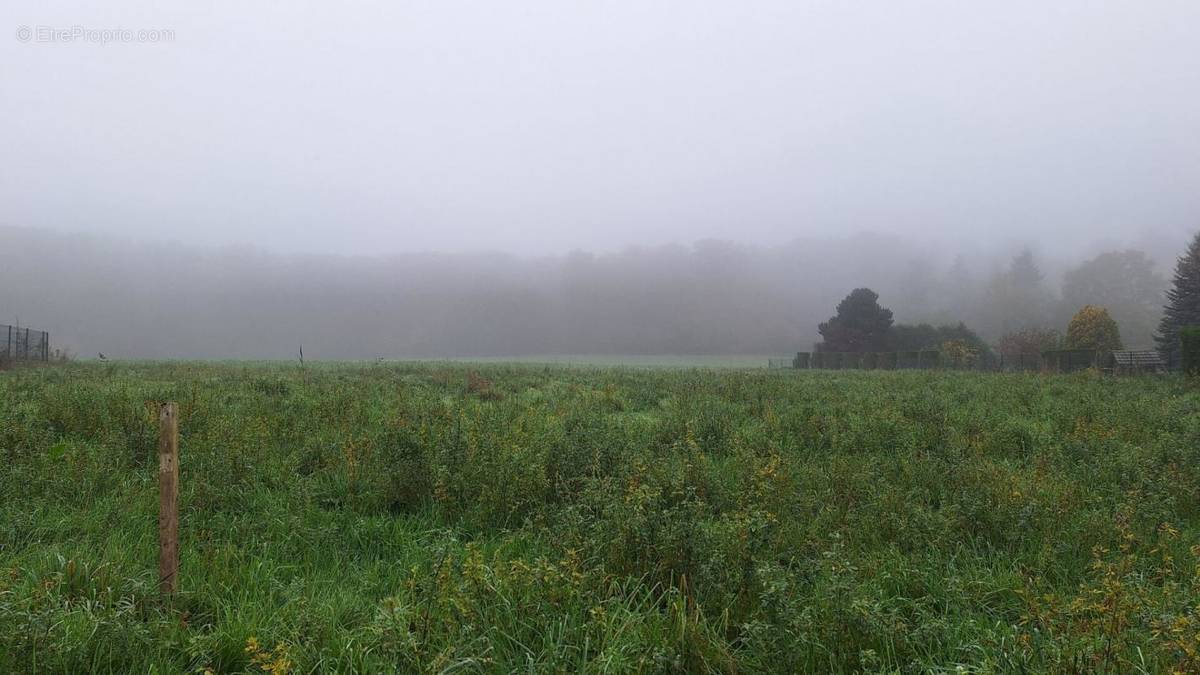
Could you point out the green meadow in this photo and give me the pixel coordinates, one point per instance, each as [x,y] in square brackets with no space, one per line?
[437,518]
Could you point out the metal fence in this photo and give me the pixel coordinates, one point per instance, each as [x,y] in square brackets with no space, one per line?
[1052,361]
[24,344]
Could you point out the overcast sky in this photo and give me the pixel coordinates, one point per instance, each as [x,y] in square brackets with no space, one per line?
[540,126]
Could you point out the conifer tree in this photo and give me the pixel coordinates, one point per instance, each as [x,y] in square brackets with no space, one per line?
[860,325]
[1183,304]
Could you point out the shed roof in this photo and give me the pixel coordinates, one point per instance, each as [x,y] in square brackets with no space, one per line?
[1143,358]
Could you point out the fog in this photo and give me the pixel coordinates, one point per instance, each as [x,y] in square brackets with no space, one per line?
[132,299]
[426,179]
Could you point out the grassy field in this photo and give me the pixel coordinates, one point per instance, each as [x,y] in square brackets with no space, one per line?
[499,518]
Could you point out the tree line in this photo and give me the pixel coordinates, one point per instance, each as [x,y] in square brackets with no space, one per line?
[1018,307]
[147,299]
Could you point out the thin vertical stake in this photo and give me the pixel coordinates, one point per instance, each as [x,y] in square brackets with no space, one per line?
[168,498]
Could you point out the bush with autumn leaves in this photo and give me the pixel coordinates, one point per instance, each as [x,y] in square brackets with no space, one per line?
[1093,328]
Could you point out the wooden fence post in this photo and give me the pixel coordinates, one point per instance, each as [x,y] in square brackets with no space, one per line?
[168,498]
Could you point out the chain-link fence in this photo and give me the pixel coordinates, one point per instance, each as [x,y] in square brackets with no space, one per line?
[24,344]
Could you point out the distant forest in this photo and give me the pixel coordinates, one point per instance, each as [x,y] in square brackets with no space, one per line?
[155,299]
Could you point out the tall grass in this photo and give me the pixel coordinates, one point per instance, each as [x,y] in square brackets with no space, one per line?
[443,517]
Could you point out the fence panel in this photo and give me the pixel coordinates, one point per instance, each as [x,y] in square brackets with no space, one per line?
[1056,361]
[1069,360]
[24,344]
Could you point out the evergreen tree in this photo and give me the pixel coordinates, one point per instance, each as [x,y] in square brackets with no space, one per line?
[1023,273]
[1183,304]
[1017,298]
[860,325]
[961,290]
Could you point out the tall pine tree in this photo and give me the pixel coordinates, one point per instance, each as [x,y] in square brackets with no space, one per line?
[1183,304]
